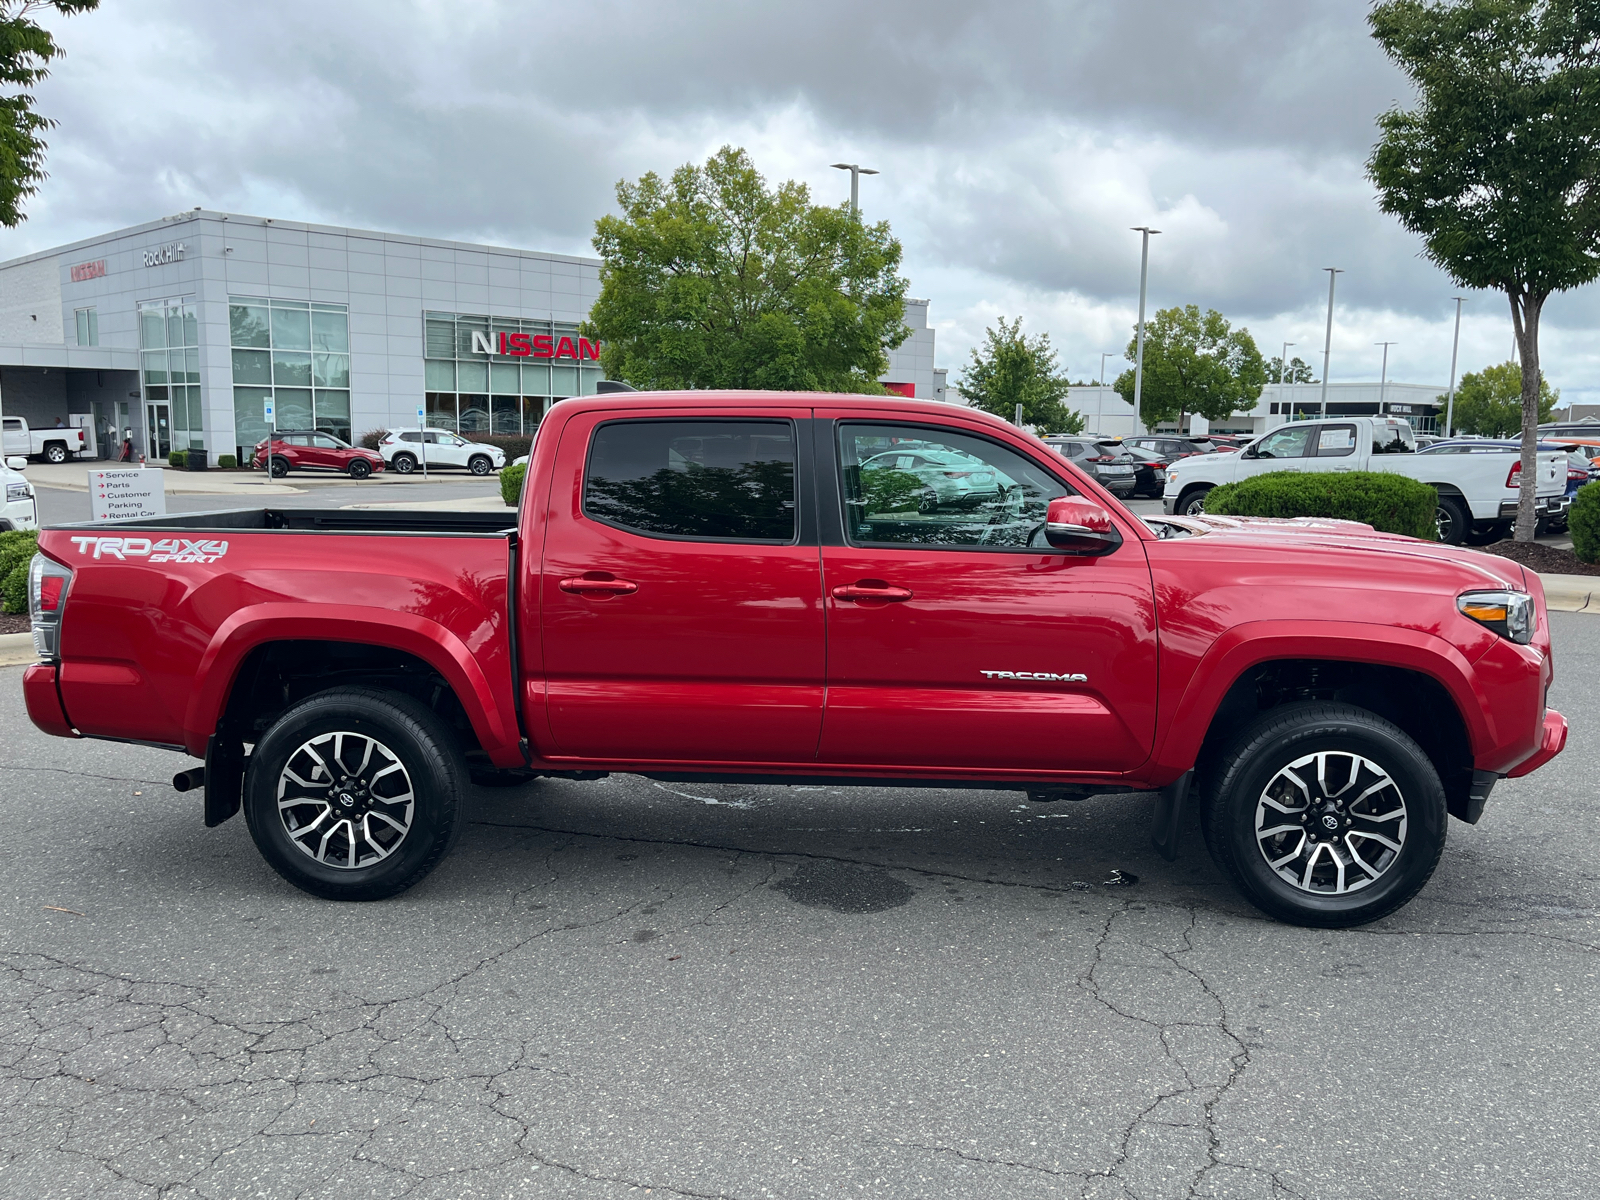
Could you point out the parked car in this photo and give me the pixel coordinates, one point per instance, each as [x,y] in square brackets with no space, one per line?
[700,587]
[404,450]
[21,509]
[1476,491]
[1224,442]
[1153,453]
[1106,462]
[299,449]
[53,445]
[947,478]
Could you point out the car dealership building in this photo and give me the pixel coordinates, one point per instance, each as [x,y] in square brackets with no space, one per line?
[173,335]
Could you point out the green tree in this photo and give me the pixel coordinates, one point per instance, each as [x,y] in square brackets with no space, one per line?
[1194,364]
[1489,402]
[1297,371]
[25,48]
[1496,165]
[1011,369]
[713,280]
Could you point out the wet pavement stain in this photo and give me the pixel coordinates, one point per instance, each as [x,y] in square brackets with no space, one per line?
[845,888]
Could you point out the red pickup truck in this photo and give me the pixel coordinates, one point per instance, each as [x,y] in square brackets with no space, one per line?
[774,587]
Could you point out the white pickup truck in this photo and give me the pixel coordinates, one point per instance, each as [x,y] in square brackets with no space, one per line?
[1477,492]
[53,445]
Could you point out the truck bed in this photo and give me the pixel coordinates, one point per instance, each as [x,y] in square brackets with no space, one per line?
[314,520]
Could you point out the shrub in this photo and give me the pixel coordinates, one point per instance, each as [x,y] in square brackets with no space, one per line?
[226,462]
[511,483]
[16,548]
[1391,503]
[178,458]
[372,437]
[14,591]
[1583,521]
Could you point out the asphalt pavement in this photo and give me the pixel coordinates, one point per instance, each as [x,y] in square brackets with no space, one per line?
[624,988]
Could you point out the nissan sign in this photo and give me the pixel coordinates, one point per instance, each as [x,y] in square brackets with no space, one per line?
[535,345]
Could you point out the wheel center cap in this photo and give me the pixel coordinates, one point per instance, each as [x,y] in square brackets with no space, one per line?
[346,799]
[1329,821]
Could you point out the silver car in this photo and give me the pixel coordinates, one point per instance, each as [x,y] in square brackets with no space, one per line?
[948,477]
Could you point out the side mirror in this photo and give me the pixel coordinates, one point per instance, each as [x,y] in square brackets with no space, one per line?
[1249,452]
[17,463]
[1080,526]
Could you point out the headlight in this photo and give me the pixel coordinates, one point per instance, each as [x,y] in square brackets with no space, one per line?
[17,491]
[1510,614]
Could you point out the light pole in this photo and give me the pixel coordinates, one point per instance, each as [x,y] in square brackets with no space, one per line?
[856,172]
[1327,342]
[1450,405]
[1104,354]
[1283,369]
[1383,379]
[1138,360]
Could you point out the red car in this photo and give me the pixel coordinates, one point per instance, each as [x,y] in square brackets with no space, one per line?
[299,449]
[706,586]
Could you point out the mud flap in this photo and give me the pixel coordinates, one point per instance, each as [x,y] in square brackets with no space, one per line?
[224,778]
[1168,816]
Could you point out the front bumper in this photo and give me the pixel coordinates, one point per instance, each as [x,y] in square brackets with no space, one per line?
[1550,745]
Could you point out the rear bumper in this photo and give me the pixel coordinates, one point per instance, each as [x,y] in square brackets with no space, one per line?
[1552,743]
[1547,506]
[44,701]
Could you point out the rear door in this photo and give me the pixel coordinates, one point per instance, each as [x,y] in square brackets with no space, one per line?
[958,638]
[680,591]
[1333,447]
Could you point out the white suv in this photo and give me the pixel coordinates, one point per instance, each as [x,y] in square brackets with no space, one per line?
[403,451]
[20,510]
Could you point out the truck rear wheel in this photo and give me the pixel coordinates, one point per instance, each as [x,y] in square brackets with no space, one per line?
[355,793]
[1325,815]
[1452,520]
[56,452]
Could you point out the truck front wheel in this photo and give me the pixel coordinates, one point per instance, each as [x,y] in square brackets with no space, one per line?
[1325,815]
[355,793]
[1193,502]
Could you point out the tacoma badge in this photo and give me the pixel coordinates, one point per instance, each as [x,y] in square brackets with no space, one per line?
[1044,676]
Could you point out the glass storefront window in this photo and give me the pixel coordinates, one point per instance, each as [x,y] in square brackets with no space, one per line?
[169,360]
[563,381]
[282,349]
[439,376]
[474,415]
[518,390]
[441,408]
[505,379]
[507,414]
[152,326]
[473,376]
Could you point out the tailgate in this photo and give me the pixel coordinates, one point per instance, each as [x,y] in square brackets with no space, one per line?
[1552,473]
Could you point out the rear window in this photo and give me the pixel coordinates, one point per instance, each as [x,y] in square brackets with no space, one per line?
[697,480]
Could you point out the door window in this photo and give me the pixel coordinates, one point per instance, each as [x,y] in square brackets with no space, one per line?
[324,442]
[1336,441]
[696,480]
[969,492]
[1289,442]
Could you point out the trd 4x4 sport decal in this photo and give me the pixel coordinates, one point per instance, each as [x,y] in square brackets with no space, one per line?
[174,550]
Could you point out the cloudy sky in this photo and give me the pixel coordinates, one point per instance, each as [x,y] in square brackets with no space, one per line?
[1017,140]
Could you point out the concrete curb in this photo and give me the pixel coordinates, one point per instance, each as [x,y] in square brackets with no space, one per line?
[16,649]
[1572,593]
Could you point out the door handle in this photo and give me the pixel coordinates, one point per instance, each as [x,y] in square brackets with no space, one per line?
[585,585]
[870,589]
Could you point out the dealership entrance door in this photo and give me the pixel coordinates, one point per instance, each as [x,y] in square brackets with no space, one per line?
[160,426]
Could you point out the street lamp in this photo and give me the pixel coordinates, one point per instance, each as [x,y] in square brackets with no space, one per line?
[1104,354]
[1327,344]
[1283,366]
[856,172]
[1138,360]
[1383,379]
[1450,406]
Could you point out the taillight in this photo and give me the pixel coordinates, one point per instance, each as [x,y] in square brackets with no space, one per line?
[48,582]
[1511,475]
[1103,458]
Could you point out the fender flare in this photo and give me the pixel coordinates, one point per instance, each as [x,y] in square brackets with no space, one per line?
[260,624]
[1256,642]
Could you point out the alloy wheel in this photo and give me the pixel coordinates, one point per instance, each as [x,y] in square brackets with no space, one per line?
[345,800]
[1331,822]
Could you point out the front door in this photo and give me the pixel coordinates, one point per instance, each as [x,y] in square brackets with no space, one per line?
[160,430]
[957,637]
[681,598]
[1288,443]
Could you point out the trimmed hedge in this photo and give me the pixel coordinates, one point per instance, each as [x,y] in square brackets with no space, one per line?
[1391,503]
[511,483]
[226,462]
[1583,522]
[178,458]
[16,554]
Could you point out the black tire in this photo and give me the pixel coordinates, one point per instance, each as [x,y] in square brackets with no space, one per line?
[1192,502]
[1451,520]
[404,728]
[55,452]
[360,468]
[1485,533]
[479,464]
[404,463]
[1239,777]
[280,466]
